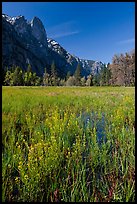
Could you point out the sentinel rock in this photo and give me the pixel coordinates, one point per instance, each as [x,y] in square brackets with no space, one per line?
[38,30]
[26,43]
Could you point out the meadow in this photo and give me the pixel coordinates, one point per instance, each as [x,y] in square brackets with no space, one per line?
[72,144]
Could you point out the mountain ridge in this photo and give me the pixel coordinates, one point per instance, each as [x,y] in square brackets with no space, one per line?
[26,42]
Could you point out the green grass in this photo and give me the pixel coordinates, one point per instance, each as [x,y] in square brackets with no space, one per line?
[50,148]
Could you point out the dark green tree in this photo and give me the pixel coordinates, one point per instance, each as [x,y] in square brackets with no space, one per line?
[77,75]
[96,80]
[62,82]
[8,78]
[103,75]
[54,77]
[12,69]
[68,75]
[28,76]
[36,80]
[108,74]
[18,77]
[29,68]
[46,78]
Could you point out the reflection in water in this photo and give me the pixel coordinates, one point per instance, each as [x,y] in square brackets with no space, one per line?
[92,120]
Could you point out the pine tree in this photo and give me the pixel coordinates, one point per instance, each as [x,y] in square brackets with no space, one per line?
[29,68]
[77,75]
[102,74]
[17,77]
[12,69]
[96,80]
[108,74]
[71,81]
[8,78]
[35,80]
[46,78]
[89,81]
[68,75]
[53,75]
[83,81]
[28,76]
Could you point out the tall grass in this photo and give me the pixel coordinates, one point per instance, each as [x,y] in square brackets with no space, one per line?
[53,147]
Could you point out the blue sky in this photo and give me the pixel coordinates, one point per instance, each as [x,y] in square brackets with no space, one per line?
[89,30]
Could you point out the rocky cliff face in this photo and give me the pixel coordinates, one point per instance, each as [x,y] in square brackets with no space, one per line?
[26,43]
[21,43]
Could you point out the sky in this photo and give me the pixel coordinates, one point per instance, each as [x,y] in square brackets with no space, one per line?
[88,30]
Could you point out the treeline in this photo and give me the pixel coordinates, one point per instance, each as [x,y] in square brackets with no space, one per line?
[120,73]
[15,76]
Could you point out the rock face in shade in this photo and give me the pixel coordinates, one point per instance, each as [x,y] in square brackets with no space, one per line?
[21,43]
[38,31]
[25,42]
